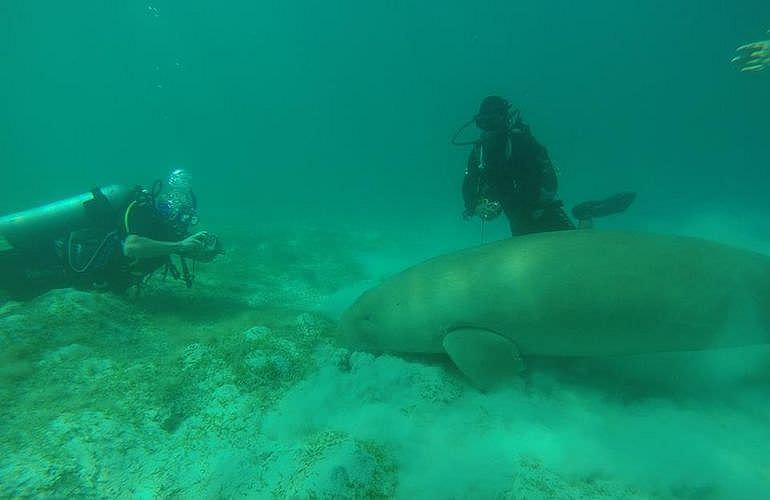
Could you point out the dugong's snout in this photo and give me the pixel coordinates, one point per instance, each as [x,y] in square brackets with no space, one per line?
[360,325]
[346,328]
[354,329]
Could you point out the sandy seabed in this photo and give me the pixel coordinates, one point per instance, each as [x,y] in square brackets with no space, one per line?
[237,388]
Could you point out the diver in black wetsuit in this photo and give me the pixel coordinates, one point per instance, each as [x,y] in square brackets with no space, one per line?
[109,239]
[510,172]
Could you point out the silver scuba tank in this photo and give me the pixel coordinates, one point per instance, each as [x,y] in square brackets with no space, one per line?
[26,229]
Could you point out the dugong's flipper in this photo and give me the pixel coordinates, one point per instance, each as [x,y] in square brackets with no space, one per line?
[485,357]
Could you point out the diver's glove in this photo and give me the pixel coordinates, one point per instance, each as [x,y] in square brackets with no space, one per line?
[192,245]
[753,57]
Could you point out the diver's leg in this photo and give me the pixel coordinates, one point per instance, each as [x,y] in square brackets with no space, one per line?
[551,219]
[25,275]
[15,276]
[556,219]
[11,271]
[519,222]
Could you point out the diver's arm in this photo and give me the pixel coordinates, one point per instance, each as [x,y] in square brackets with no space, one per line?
[139,247]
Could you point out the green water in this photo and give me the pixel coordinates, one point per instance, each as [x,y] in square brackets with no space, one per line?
[317,134]
[318,104]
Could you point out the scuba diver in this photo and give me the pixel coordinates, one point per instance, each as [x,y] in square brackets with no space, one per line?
[510,172]
[112,238]
[753,57]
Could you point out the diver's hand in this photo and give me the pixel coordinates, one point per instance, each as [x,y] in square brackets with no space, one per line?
[753,57]
[193,245]
[213,247]
[487,209]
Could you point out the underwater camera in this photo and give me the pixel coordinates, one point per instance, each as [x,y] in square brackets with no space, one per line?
[212,246]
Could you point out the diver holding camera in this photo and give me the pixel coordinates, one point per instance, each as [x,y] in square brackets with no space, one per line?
[113,238]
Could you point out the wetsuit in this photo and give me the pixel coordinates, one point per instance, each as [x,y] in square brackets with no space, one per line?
[87,258]
[141,219]
[517,173]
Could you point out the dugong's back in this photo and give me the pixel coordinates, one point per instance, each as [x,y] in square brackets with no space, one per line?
[595,293]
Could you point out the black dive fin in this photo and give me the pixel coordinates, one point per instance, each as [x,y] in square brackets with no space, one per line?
[612,205]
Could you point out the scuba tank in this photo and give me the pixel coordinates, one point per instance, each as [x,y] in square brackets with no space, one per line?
[25,230]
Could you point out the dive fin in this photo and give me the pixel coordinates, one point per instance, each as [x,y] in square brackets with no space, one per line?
[485,357]
[612,205]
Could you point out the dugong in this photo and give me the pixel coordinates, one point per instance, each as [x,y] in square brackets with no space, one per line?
[566,293]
